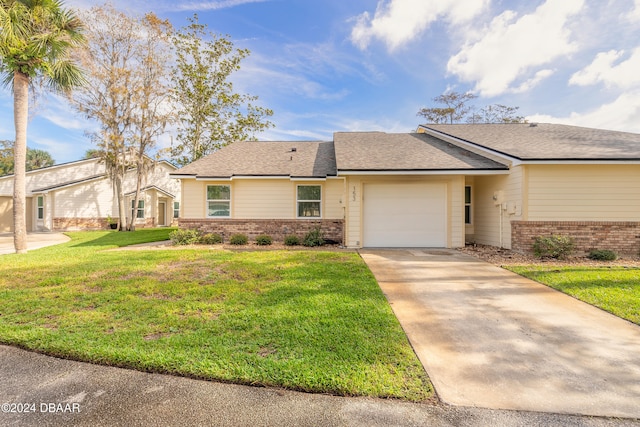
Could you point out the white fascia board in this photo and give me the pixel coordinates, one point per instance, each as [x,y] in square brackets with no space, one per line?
[236,177]
[212,178]
[581,162]
[435,172]
[182,176]
[308,179]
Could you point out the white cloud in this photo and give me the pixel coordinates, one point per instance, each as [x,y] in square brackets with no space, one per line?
[397,22]
[512,49]
[622,114]
[210,5]
[604,69]
[635,14]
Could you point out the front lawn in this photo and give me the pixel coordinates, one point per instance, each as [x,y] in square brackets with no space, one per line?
[614,289]
[305,320]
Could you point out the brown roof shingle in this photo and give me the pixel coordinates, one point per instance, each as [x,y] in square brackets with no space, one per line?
[379,151]
[254,158]
[544,141]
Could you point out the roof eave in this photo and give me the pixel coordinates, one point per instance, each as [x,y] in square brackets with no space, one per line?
[479,171]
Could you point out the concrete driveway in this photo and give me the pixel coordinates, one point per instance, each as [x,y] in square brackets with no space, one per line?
[34,241]
[490,338]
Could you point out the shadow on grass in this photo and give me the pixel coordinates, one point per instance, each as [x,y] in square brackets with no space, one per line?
[123,238]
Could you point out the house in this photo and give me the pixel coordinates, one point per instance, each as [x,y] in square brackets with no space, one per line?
[494,184]
[79,195]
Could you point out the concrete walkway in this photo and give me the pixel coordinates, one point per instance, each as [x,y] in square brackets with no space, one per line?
[34,241]
[105,396]
[490,338]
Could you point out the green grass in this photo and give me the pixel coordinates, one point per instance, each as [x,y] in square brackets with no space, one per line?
[303,320]
[614,289]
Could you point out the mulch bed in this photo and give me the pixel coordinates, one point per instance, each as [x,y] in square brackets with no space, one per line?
[499,256]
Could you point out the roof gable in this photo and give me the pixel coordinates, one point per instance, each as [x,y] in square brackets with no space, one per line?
[545,141]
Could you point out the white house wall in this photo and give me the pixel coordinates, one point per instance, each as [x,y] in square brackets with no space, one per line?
[54,175]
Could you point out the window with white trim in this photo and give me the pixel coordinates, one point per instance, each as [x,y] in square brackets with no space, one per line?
[309,200]
[467,204]
[40,207]
[219,201]
[140,211]
[176,209]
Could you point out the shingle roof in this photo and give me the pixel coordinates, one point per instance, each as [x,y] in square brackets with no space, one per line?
[544,141]
[379,151]
[252,158]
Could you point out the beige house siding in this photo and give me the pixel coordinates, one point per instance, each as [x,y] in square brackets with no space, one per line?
[492,218]
[455,205]
[333,198]
[262,198]
[584,192]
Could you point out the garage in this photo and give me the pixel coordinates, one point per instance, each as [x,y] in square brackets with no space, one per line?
[405,215]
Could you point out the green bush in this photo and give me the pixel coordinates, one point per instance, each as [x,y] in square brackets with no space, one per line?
[555,246]
[264,240]
[239,239]
[602,255]
[184,237]
[211,239]
[313,238]
[291,240]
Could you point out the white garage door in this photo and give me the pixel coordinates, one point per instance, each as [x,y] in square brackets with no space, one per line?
[405,215]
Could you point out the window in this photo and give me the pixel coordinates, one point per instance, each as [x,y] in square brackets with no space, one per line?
[467,205]
[176,209]
[309,198]
[40,207]
[140,213]
[218,201]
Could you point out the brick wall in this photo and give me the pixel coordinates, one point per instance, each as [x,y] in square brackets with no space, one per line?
[620,237]
[332,229]
[64,224]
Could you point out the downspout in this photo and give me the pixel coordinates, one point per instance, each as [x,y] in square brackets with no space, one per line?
[501,238]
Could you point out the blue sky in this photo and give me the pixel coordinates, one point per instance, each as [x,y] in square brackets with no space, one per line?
[362,65]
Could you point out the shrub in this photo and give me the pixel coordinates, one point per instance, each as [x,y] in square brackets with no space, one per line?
[211,239]
[291,240]
[264,240]
[555,246]
[313,238]
[602,255]
[239,239]
[184,237]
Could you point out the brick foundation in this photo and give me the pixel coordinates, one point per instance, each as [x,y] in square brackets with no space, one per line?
[66,224]
[332,229]
[63,224]
[620,237]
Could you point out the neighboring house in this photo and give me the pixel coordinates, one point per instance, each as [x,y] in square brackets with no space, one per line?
[495,184]
[79,196]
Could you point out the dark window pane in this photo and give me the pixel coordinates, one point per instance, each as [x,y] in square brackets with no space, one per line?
[309,209]
[218,209]
[309,192]
[218,192]
[467,194]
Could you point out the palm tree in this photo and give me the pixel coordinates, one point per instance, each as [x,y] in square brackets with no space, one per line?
[37,159]
[36,37]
